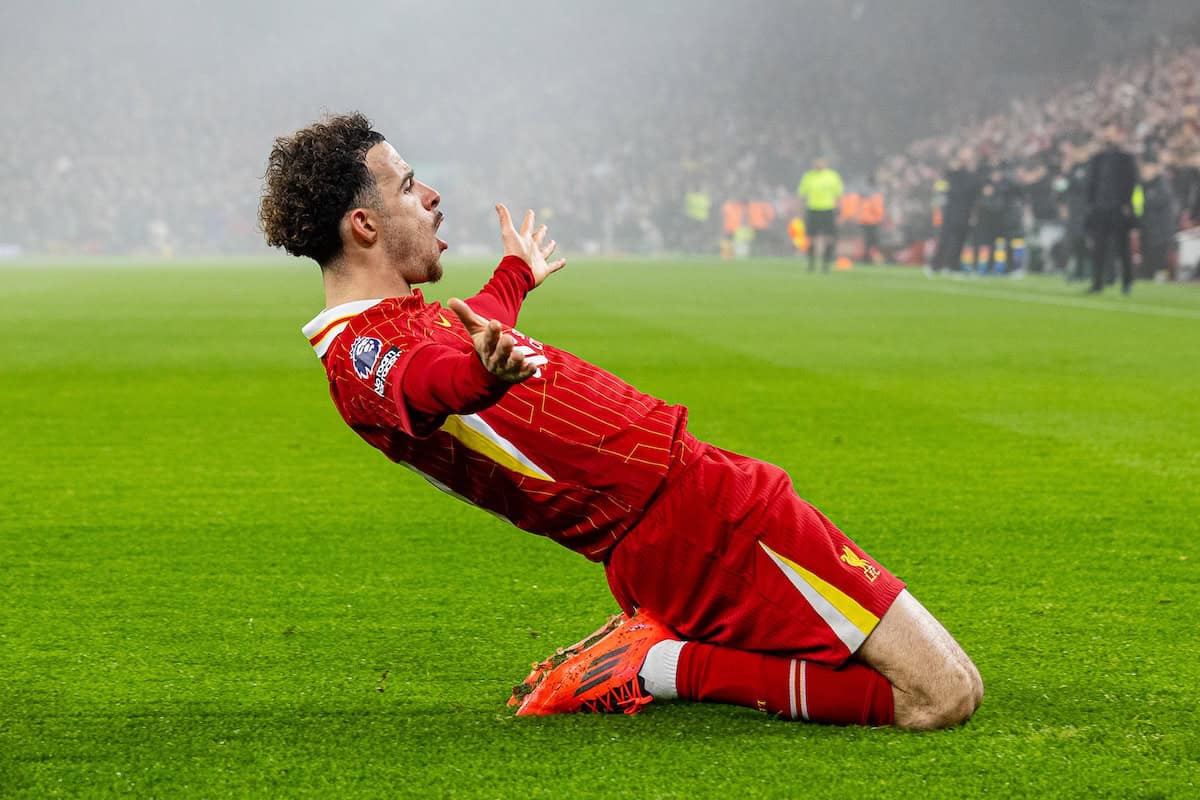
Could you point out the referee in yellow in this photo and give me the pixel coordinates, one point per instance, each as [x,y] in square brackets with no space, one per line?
[821,188]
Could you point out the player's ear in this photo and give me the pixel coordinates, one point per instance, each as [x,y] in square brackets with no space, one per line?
[362,226]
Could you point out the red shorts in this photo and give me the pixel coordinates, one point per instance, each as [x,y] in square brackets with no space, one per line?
[729,554]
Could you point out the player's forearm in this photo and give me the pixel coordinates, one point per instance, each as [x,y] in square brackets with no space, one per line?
[441,380]
[501,298]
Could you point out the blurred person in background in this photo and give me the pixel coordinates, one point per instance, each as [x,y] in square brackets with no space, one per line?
[1159,221]
[821,189]
[1014,221]
[760,217]
[1045,255]
[1185,180]
[998,232]
[697,208]
[849,206]
[1193,206]
[963,187]
[870,217]
[1072,194]
[1112,176]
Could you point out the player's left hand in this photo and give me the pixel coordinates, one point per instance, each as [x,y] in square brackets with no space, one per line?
[528,244]
[498,351]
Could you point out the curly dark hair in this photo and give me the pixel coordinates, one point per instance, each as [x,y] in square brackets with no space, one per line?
[313,178]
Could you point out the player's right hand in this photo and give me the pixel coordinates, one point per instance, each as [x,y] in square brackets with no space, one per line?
[496,349]
[526,244]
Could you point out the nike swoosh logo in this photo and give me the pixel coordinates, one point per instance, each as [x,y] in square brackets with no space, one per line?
[442,321]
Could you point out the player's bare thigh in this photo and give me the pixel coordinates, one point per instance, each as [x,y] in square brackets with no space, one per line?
[934,683]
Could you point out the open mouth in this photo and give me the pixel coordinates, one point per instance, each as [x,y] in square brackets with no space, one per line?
[437,224]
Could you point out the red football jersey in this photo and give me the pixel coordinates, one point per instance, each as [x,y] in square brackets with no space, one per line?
[573,453]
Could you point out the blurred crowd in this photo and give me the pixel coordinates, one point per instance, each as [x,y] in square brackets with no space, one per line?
[646,164]
[673,140]
[112,170]
[699,190]
[1033,161]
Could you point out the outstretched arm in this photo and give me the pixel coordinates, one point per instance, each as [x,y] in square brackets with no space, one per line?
[523,267]
[499,352]
[440,380]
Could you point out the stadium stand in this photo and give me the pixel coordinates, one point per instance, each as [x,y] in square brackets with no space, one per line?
[153,155]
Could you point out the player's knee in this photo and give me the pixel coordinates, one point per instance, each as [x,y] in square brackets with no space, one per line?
[976,686]
[951,699]
[970,693]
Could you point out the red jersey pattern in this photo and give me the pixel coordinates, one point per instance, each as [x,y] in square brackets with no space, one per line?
[573,453]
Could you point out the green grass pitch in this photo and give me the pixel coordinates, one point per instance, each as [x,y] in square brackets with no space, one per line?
[211,587]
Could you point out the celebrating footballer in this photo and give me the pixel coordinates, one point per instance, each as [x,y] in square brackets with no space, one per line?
[733,588]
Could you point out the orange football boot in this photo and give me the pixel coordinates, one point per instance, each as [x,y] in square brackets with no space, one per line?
[542,668]
[603,676]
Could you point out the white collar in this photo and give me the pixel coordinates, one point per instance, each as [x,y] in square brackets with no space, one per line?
[324,327]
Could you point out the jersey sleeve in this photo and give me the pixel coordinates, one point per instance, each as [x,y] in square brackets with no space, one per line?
[440,380]
[415,388]
[501,297]
[366,375]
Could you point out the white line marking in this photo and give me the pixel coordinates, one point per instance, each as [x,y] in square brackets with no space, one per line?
[1050,300]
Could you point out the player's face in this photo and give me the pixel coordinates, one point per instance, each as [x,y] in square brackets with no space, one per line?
[410,216]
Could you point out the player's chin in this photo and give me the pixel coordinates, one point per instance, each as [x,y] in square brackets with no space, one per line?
[434,273]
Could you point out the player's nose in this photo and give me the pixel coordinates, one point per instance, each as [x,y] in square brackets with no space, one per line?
[432,198]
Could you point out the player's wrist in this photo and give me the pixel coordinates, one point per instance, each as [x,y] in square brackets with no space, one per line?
[519,266]
[482,381]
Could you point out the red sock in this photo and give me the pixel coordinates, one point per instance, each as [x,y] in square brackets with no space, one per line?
[789,687]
